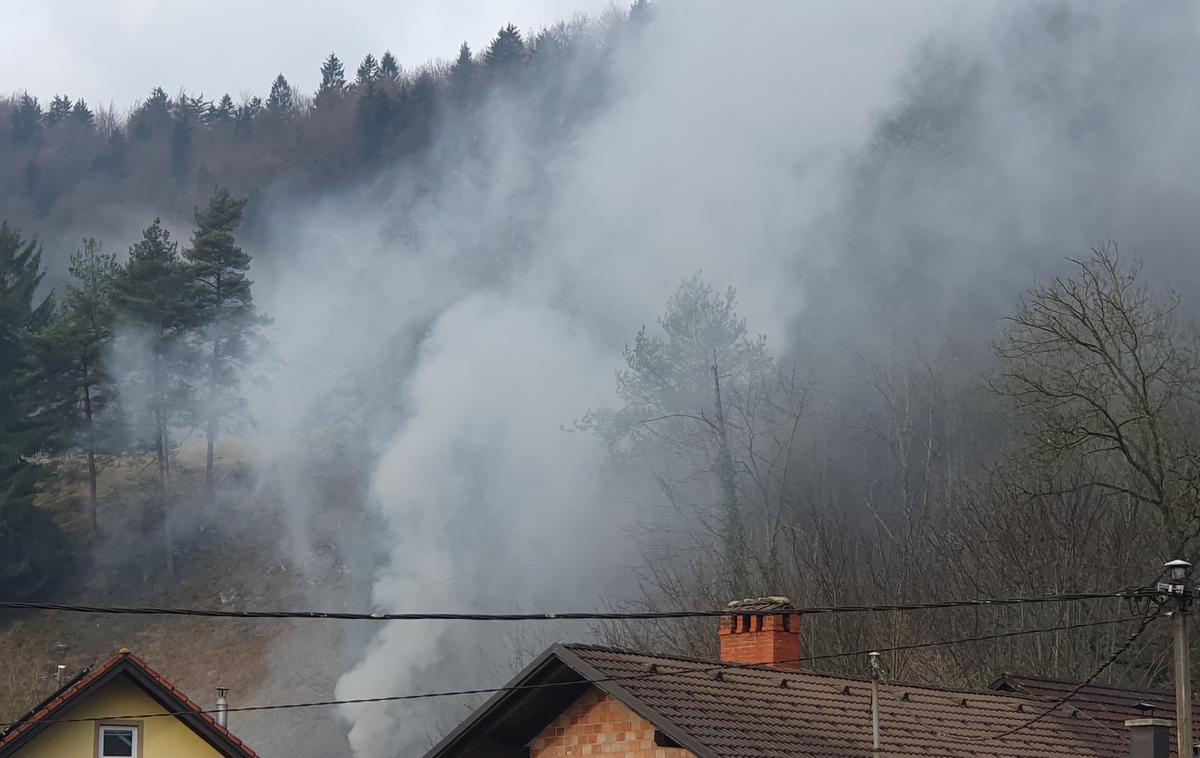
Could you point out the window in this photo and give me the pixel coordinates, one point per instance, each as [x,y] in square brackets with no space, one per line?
[118,741]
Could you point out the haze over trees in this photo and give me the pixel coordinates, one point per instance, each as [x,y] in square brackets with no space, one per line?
[132,355]
[922,432]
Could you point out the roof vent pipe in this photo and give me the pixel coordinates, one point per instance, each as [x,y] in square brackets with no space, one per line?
[222,706]
[873,659]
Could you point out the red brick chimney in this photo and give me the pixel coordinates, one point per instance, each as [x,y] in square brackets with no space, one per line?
[765,640]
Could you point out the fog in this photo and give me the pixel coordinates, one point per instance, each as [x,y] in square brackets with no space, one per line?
[114,53]
[696,165]
[872,179]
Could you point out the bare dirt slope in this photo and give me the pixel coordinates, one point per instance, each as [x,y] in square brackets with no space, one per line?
[233,553]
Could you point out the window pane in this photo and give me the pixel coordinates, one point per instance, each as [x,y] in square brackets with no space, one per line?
[117,743]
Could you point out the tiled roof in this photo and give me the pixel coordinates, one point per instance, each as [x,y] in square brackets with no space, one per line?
[758,712]
[1108,705]
[155,683]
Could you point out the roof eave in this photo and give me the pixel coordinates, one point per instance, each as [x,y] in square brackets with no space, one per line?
[493,704]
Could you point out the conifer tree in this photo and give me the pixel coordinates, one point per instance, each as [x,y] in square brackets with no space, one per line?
[506,51]
[368,71]
[82,114]
[222,112]
[60,109]
[152,116]
[69,359]
[26,119]
[389,69]
[31,544]
[373,119]
[153,295]
[185,116]
[281,101]
[333,81]
[218,268]
[463,75]
[247,114]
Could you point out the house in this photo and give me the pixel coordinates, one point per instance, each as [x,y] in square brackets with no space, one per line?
[588,700]
[122,709]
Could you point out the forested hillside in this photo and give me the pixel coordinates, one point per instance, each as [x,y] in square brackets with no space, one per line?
[657,310]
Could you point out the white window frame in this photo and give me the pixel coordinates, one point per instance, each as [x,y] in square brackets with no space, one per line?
[136,728]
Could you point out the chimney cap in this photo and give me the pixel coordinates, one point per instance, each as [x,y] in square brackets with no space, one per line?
[771,603]
[123,651]
[1148,722]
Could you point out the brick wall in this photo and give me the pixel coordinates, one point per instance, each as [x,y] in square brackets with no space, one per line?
[598,724]
[761,641]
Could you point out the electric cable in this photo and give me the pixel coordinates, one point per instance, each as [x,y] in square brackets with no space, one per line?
[1149,617]
[583,616]
[723,666]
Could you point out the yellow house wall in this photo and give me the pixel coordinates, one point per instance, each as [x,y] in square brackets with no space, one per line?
[162,737]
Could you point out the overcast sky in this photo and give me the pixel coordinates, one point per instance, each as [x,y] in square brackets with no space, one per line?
[115,51]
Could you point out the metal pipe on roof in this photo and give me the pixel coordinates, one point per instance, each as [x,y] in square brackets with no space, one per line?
[873,658]
[222,706]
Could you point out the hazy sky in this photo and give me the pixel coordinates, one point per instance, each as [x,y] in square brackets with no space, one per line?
[115,51]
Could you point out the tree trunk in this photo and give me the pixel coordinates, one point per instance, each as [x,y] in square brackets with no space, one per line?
[91,453]
[163,445]
[164,480]
[732,531]
[210,431]
[211,434]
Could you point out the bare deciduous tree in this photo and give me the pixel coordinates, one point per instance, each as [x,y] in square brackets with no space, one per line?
[1100,369]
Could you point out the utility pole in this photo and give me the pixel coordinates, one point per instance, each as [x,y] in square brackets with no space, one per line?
[1179,587]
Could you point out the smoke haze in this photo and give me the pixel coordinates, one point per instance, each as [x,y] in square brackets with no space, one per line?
[867,176]
[694,165]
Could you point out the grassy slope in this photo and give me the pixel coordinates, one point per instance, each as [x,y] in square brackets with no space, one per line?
[232,552]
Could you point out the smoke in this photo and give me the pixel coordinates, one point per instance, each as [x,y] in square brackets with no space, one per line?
[438,338]
[866,175]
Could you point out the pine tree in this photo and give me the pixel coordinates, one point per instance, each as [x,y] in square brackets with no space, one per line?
[507,50]
[59,111]
[152,116]
[333,82]
[368,71]
[69,358]
[247,113]
[463,76]
[186,112]
[373,119]
[153,295]
[26,119]
[281,101]
[218,269]
[82,114]
[389,69]
[32,547]
[222,112]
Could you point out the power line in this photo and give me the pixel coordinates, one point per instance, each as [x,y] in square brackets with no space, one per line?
[584,616]
[631,677]
[1149,617]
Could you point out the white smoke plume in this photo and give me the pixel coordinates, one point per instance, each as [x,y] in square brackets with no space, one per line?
[716,155]
[454,332]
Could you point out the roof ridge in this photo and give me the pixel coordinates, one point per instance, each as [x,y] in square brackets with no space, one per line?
[730,666]
[1091,685]
[64,695]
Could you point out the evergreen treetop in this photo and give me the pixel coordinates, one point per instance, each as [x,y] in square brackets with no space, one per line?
[368,70]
